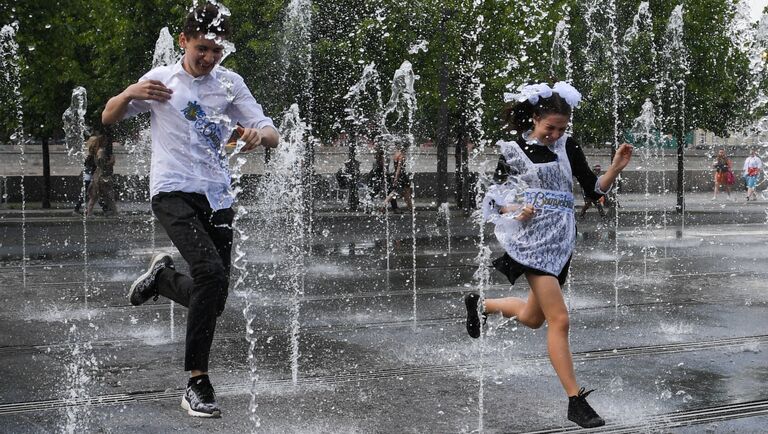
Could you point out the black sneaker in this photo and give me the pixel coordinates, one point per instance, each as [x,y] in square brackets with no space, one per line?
[200,400]
[472,301]
[581,413]
[145,286]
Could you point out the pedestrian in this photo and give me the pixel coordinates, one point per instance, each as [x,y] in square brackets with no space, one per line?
[102,188]
[723,173]
[399,182]
[589,201]
[534,217]
[194,105]
[753,165]
[89,168]
[379,178]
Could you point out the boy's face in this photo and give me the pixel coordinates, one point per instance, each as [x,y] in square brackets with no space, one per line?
[201,55]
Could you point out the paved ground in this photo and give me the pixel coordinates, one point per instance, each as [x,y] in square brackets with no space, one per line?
[668,324]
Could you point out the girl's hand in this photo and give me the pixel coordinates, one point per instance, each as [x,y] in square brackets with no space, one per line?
[622,157]
[526,213]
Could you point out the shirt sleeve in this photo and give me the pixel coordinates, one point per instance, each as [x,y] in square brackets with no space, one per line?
[137,106]
[246,110]
[584,175]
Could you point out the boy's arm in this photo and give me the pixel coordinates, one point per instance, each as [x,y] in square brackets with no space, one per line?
[266,136]
[117,106]
[259,129]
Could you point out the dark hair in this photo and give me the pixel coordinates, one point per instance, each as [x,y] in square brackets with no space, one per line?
[206,19]
[518,116]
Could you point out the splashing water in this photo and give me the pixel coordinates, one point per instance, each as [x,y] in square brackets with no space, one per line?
[165,50]
[645,136]
[444,212]
[397,132]
[363,109]
[10,61]
[75,131]
[282,206]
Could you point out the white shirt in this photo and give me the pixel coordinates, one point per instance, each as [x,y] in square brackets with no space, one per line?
[189,131]
[752,162]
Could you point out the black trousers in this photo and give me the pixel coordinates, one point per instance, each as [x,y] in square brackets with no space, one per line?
[204,239]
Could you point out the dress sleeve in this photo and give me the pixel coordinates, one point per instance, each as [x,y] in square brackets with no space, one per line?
[581,170]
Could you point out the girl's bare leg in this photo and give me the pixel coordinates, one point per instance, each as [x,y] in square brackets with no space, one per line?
[550,299]
[527,312]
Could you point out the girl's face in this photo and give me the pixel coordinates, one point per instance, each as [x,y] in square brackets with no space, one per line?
[547,129]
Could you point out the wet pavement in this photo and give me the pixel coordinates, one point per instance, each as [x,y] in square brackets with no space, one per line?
[669,323]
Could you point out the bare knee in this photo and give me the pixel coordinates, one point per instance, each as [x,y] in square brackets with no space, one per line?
[531,321]
[559,322]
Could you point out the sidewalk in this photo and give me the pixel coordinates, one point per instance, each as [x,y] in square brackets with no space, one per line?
[671,332]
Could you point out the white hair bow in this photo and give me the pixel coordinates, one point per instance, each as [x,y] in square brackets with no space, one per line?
[568,93]
[532,93]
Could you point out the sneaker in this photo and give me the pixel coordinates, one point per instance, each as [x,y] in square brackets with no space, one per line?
[472,301]
[145,287]
[580,412]
[199,399]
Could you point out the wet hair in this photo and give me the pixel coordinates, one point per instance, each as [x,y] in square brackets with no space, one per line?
[518,116]
[206,19]
[95,142]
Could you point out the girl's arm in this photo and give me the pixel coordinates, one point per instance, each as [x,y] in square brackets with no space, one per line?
[594,187]
[620,161]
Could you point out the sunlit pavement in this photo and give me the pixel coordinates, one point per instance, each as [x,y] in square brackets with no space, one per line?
[668,323]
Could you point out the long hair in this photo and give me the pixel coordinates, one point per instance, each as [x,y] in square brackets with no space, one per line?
[518,116]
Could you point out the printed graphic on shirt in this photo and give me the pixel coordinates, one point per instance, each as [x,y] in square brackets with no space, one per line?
[208,129]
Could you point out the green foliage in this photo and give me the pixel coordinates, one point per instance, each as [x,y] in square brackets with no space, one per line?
[482,48]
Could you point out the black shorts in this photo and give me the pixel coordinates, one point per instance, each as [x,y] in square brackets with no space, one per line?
[513,269]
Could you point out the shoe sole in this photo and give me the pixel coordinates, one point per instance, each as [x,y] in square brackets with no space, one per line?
[152,263]
[472,317]
[185,406]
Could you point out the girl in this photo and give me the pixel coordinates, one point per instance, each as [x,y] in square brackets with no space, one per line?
[722,166]
[534,217]
[753,165]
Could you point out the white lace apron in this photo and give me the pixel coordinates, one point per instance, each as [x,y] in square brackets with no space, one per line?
[544,242]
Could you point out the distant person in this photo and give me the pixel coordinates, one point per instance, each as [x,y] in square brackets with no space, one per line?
[89,168]
[102,186]
[194,106]
[753,165]
[533,213]
[723,173]
[589,200]
[400,182]
[378,178]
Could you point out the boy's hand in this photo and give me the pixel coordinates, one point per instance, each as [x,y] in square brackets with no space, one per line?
[251,137]
[149,89]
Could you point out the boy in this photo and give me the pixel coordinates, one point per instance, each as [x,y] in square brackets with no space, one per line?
[194,105]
